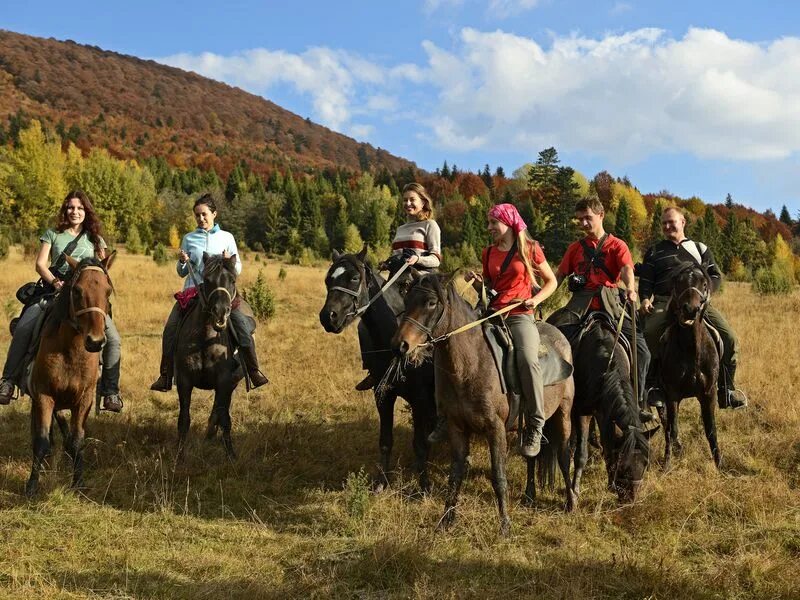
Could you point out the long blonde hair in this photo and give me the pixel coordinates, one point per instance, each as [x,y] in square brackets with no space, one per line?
[427,204]
[525,247]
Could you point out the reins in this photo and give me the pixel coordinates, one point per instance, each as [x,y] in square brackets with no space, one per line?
[357,294]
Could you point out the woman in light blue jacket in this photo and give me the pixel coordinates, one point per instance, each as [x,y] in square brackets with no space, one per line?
[209,238]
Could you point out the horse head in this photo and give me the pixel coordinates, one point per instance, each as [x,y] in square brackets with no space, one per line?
[348,290]
[89,290]
[627,460]
[219,288]
[427,304]
[691,290]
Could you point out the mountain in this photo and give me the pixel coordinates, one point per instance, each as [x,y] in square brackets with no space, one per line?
[139,108]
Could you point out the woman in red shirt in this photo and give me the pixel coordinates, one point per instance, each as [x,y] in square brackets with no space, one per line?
[511,284]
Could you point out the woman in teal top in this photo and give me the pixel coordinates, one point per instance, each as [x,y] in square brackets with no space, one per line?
[76,220]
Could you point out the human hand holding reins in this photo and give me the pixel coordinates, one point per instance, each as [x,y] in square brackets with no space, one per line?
[183,257]
[647,306]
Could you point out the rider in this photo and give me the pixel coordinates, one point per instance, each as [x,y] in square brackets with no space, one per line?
[660,264]
[509,266]
[78,232]
[594,266]
[209,238]
[416,242]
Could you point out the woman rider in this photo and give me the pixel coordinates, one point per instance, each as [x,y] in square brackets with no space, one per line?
[76,221]
[511,281]
[416,242]
[208,237]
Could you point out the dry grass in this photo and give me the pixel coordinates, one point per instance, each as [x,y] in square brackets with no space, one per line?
[280,522]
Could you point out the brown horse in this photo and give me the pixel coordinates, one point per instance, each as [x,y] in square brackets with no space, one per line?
[469,392]
[66,366]
[690,362]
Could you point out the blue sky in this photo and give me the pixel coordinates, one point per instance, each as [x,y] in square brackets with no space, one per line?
[700,98]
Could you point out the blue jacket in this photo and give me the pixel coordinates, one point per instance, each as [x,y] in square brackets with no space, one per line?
[198,241]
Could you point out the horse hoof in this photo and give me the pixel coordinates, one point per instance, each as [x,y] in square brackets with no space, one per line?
[505,528]
[211,432]
[379,484]
[31,489]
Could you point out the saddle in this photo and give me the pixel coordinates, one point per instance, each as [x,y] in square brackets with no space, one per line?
[575,329]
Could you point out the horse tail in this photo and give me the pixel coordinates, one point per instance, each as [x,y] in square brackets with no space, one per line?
[547,461]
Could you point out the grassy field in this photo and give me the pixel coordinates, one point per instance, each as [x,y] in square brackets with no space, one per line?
[292,517]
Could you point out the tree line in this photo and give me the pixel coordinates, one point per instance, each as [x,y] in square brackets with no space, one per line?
[304,215]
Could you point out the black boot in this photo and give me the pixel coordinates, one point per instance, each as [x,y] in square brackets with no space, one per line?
[439,433]
[727,394]
[6,391]
[250,359]
[164,382]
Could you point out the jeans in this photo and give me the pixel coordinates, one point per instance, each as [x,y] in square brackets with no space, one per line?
[526,345]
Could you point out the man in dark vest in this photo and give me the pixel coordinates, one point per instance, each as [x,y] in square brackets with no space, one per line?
[595,265]
[660,264]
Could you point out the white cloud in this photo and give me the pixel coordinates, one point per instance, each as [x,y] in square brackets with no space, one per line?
[507,8]
[430,6]
[621,96]
[621,7]
[361,131]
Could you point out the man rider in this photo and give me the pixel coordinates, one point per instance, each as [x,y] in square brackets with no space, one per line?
[595,265]
[661,263]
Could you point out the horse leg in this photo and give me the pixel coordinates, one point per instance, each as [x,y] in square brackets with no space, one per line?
[707,407]
[41,419]
[422,417]
[78,431]
[581,427]
[529,497]
[564,428]
[459,448]
[385,441]
[669,430]
[677,447]
[222,400]
[498,447]
[184,419]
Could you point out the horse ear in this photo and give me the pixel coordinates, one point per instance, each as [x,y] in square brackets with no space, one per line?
[109,260]
[336,255]
[450,277]
[230,263]
[206,256]
[617,432]
[73,264]
[363,254]
[415,275]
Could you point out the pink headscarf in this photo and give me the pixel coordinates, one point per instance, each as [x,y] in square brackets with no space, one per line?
[508,214]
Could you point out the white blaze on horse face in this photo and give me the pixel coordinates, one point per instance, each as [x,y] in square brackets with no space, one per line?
[338,272]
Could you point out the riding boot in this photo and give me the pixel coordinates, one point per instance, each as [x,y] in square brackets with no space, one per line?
[654,393]
[250,359]
[439,433]
[531,442]
[727,394]
[164,382]
[6,391]
[366,384]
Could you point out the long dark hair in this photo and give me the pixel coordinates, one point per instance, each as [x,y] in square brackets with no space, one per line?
[91,222]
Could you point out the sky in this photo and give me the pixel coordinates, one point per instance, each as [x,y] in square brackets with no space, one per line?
[697,98]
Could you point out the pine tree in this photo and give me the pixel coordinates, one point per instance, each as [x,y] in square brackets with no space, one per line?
[728,202]
[445,170]
[499,172]
[624,223]
[785,217]
[486,175]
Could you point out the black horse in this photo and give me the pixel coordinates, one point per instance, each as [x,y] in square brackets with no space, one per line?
[204,354]
[603,390]
[351,282]
[690,362]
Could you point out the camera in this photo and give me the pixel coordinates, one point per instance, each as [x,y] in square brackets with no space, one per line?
[576,282]
[491,294]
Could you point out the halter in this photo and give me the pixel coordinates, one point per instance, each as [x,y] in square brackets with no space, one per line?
[363,290]
[625,453]
[428,331]
[74,314]
[704,297]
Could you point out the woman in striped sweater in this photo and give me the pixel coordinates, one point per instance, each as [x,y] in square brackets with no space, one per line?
[416,242]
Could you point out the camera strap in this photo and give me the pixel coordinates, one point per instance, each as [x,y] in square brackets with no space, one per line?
[594,257]
[506,261]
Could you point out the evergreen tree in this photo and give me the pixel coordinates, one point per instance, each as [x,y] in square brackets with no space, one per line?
[623,228]
[728,202]
[499,172]
[235,186]
[486,175]
[654,235]
[293,209]
[785,217]
[445,170]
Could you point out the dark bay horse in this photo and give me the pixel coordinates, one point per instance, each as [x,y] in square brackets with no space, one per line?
[65,370]
[351,282]
[469,390]
[603,390]
[690,362]
[204,352]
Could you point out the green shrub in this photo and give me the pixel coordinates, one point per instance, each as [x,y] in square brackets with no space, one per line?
[133,242]
[260,298]
[357,494]
[772,281]
[5,244]
[160,254]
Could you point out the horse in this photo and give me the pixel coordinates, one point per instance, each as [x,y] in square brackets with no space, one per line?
[690,361]
[65,370]
[204,351]
[469,391]
[350,283]
[603,390]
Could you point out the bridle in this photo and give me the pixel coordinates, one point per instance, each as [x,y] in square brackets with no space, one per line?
[74,314]
[704,298]
[361,299]
[428,331]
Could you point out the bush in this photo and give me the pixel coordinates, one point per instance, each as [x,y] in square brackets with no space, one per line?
[772,281]
[260,298]
[737,271]
[5,244]
[160,254]
[356,494]
[133,242]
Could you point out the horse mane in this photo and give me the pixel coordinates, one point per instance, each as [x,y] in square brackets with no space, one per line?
[214,263]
